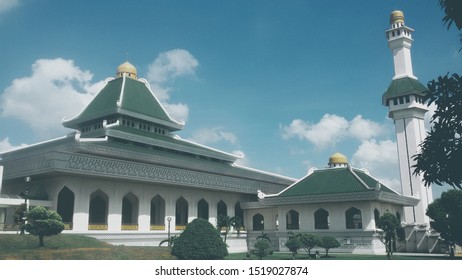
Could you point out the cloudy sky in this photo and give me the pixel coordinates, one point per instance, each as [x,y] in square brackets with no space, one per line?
[285,83]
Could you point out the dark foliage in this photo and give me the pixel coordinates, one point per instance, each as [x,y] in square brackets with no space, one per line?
[42,222]
[445,214]
[328,242]
[199,241]
[389,225]
[438,160]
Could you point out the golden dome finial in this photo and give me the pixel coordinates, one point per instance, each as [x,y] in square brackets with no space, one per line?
[396,17]
[338,159]
[128,69]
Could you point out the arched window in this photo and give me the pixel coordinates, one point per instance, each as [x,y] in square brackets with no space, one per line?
[353,218]
[292,220]
[376,216]
[66,206]
[130,206]
[99,203]
[398,216]
[258,222]
[181,212]
[321,219]
[157,211]
[222,209]
[203,209]
[239,213]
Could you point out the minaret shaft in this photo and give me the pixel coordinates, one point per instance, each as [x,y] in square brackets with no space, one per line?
[404,99]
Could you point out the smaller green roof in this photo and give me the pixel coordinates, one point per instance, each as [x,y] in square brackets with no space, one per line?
[402,87]
[334,181]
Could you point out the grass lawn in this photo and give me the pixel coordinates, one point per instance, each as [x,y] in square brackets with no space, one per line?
[79,247]
[74,247]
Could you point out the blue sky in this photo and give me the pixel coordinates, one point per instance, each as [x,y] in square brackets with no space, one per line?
[286,83]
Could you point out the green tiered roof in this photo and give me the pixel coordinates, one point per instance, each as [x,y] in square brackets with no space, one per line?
[334,181]
[125,96]
[402,87]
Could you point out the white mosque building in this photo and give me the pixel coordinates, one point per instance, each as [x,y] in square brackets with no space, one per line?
[125,177]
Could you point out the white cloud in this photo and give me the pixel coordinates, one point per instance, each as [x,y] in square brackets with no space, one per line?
[167,67]
[172,64]
[243,160]
[363,129]
[6,5]
[326,133]
[332,129]
[380,158]
[5,145]
[55,89]
[213,135]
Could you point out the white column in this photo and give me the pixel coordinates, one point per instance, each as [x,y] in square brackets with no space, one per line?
[144,218]
[81,209]
[114,219]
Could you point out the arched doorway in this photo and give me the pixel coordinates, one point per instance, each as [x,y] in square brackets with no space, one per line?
[66,207]
[353,218]
[258,222]
[222,209]
[157,213]
[181,213]
[130,208]
[321,219]
[98,212]
[203,209]
[292,220]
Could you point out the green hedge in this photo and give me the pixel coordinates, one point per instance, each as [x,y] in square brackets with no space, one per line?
[199,241]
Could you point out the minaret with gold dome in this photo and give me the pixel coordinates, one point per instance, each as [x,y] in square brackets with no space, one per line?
[405,101]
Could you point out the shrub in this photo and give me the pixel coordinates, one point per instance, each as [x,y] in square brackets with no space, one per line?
[329,242]
[294,245]
[262,248]
[43,222]
[199,241]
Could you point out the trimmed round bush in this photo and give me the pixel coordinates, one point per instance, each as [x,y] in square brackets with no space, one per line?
[199,241]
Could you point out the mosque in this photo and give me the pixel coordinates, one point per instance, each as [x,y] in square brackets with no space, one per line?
[124,176]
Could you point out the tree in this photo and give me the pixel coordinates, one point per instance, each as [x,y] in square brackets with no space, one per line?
[224,224]
[199,241]
[329,242]
[453,13]
[262,248]
[293,244]
[309,241]
[445,214]
[438,160]
[42,222]
[389,225]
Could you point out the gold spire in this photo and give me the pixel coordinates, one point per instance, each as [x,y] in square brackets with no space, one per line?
[128,69]
[337,159]
[396,17]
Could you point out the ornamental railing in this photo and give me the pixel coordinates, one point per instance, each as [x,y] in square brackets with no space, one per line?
[97,227]
[129,227]
[157,227]
[68,226]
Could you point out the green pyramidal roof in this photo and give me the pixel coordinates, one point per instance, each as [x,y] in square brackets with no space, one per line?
[125,96]
[402,87]
[334,181]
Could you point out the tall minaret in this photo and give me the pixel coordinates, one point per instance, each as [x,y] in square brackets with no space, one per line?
[404,99]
